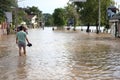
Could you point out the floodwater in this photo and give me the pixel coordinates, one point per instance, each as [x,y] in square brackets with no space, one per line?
[61,55]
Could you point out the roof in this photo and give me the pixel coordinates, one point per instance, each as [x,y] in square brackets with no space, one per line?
[30,16]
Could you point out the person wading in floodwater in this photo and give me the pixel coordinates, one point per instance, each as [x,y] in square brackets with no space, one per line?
[88,26]
[21,38]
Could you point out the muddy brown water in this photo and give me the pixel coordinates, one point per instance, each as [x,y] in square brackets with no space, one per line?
[61,55]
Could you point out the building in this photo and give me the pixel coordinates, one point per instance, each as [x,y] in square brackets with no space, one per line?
[33,21]
[114,23]
[114,20]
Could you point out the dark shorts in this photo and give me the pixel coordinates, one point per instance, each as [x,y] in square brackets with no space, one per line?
[21,44]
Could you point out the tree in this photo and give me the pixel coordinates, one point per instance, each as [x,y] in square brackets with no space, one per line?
[6,5]
[71,13]
[2,15]
[34,11]
[58,17]
[48,19]
[21,15]
[89,11]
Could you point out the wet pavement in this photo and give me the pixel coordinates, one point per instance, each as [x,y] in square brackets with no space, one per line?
[61,55]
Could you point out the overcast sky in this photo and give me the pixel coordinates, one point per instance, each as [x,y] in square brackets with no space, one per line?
[46,6]
[117,1]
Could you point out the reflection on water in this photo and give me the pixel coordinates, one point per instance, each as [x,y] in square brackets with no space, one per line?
[61,55]
[21,68]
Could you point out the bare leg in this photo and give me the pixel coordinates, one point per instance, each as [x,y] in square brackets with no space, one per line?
[19,51]
[24,50]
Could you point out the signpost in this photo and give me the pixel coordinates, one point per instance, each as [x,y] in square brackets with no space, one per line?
[9,16]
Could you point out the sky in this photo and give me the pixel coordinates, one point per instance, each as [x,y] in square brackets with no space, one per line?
[117,1]
[47,6]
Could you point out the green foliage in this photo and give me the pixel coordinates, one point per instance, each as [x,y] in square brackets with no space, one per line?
[2,15]
[89,11]
[71,12]
[32,10]
[5,5]
[48,19]
[58,17]
[21,16]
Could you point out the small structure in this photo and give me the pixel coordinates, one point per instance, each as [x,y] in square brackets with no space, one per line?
[114,23]
[33,20]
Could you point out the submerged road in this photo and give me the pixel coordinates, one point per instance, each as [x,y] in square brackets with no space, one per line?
[61,55]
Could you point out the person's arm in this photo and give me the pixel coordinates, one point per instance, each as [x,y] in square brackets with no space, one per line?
[27,39]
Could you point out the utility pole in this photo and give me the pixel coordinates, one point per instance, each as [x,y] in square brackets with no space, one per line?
[16,13]
[99,17]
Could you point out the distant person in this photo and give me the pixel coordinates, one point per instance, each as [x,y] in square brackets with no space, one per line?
[53,29]
[43,25]
[88,26]
[21,38]
[97,31]
[8,28]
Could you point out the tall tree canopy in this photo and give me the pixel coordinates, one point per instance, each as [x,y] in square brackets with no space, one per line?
[58,17]
[71,12]
[34,11]
[48,19]
[6,5]
[89,10]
